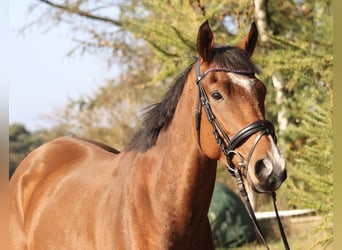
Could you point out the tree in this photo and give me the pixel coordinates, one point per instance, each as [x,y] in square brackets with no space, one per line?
[150,42]
[306,87]
[21,142]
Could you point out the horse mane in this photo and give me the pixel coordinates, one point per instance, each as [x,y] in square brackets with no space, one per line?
[160,114]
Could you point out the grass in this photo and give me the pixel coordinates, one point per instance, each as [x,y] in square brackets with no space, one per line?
[294,242]
[302,234]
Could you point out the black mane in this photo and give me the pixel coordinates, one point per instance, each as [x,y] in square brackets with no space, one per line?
[159,115]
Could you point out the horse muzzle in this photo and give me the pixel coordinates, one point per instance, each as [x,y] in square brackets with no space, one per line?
[269,175]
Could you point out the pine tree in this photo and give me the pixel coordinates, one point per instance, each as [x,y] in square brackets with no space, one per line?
[301,53]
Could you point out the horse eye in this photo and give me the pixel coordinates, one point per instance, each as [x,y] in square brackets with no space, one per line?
[216,96]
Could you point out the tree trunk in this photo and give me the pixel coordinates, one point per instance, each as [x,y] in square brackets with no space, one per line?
[262,22]
[260,12]
[278,85]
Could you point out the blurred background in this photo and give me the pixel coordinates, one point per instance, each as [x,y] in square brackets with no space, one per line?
[88,68]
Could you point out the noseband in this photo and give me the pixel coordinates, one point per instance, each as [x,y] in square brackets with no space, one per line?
[228,146]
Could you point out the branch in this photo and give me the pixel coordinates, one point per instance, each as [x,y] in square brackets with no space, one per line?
[202,8]
[160,49]
[189,44]
[79,12]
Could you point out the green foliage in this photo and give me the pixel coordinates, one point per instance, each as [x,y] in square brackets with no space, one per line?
[311,177]
[227,211]
[170,29]
[109,115]
[21,142]
[304,61]
[154,42]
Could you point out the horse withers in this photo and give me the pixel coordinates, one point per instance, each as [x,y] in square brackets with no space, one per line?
[72,193]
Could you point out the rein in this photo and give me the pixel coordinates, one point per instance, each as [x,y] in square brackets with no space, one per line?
[228,146]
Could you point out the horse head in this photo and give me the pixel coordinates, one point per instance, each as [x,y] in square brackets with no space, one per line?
[234,130]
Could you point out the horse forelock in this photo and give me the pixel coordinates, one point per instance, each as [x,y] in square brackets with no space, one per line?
[233,58]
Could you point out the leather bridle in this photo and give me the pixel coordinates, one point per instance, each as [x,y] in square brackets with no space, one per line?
[228,146]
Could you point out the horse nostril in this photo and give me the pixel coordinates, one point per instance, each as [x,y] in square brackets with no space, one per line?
[269,177]
[260,168]
[284,176]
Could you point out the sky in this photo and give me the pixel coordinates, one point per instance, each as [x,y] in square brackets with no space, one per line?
[41,76]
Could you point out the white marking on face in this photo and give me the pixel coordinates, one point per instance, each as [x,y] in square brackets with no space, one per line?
[277,159]
[242,80]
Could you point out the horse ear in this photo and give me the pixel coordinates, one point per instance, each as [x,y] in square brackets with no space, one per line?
[249,42]
[205,42]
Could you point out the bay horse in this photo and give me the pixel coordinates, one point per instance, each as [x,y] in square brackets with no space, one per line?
[72,193]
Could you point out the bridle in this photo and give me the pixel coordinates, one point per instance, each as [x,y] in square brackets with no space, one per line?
[228,146]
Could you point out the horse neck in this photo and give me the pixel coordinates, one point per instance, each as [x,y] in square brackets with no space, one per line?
[185,176]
